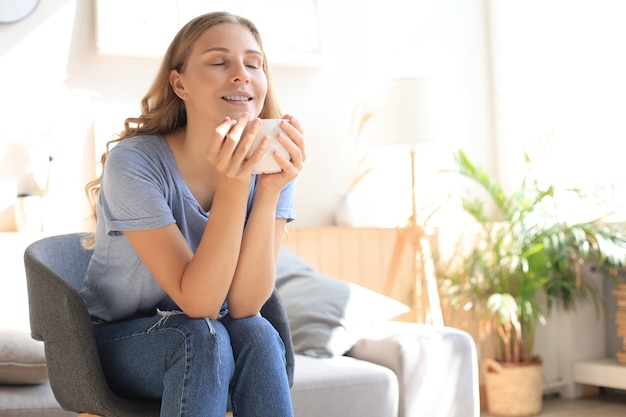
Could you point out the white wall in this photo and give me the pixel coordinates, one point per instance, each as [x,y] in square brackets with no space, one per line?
[559,72]
[58,90]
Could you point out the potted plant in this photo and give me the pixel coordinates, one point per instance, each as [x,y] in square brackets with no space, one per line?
[520,259]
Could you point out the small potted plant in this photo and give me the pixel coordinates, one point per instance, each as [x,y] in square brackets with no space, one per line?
[520,259]
[344,213]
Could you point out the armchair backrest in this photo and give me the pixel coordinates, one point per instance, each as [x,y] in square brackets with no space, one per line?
[55,269]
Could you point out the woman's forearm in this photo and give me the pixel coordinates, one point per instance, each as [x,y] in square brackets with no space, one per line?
[254,277]
[209,274]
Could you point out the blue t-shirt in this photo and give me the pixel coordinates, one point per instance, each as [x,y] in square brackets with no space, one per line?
[142,189]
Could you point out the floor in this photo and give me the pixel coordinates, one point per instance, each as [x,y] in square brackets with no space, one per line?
[605,405]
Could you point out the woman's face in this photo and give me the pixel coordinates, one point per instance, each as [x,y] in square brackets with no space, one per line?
[224,75]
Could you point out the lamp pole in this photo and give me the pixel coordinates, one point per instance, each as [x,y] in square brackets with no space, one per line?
[401,116]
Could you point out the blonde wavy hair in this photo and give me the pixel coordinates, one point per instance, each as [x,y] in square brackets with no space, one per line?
[162,111]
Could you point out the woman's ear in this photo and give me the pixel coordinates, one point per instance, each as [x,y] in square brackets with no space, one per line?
[177,84]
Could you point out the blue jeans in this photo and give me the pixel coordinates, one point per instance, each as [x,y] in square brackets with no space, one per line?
[195,365]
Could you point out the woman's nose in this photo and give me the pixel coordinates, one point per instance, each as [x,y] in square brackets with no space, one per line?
[240,74]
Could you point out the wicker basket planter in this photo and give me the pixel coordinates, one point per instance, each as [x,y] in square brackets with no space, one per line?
[514,389]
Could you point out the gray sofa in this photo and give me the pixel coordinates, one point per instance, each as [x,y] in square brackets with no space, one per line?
[344,365]
[398,369]
[351,360]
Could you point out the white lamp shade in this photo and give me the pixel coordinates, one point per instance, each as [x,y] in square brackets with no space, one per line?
[401,113]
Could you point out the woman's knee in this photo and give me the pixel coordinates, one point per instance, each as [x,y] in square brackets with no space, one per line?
[198,338]
[256,325]
[255,332]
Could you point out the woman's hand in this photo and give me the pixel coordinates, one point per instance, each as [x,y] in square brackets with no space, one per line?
[228,147]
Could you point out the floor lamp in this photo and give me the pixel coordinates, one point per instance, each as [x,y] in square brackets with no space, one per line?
[400,116]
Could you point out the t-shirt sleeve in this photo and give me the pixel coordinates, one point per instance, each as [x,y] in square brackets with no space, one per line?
[133,192]
[285,208]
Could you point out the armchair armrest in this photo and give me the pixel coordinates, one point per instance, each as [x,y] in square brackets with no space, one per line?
[436,367]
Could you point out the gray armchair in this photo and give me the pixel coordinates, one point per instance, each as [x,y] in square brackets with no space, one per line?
[55,268]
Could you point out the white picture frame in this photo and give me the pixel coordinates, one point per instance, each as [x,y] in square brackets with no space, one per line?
[291,29]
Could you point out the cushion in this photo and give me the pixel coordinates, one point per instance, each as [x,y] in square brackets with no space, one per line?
[326,315]
[22,359]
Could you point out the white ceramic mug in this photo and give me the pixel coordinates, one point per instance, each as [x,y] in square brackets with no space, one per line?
[267,164]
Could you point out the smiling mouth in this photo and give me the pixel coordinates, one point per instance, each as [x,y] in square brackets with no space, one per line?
[237,98]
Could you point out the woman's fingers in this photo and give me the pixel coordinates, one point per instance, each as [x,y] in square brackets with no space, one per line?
[294,143]
[216,143]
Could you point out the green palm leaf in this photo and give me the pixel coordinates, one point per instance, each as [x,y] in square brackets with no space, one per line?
[524,259]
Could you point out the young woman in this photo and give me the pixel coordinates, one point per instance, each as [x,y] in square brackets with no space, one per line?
[187,236]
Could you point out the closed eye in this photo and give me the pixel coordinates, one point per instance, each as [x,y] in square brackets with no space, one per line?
[253,61]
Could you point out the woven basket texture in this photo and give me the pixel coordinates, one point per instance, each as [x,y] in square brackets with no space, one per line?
[514,390]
